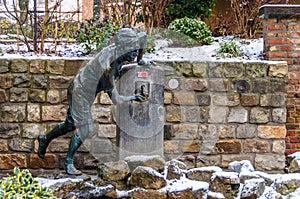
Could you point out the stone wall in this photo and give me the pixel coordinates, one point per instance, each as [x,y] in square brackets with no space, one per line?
[281,42]
[215,113]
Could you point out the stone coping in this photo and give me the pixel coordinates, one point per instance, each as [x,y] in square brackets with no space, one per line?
[279,11]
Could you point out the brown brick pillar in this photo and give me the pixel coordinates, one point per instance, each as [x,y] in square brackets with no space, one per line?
[282,42]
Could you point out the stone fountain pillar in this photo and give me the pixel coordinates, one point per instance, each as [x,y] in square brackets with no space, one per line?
[140,124]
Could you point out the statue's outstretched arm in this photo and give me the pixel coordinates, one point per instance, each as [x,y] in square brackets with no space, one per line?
[117,98]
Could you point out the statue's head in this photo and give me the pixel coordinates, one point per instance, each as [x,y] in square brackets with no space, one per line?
[128,42]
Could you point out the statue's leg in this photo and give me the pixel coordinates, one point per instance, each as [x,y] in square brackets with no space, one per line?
[59,130]
[76,141]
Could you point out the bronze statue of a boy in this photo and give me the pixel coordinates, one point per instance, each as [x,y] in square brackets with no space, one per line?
[98,75]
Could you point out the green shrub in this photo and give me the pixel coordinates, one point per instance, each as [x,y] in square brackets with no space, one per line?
[230,49]
[95,34]
[23,186]
[190,31]
[192,9]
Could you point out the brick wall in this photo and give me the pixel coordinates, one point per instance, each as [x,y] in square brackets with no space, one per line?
[282,42]
[215,113]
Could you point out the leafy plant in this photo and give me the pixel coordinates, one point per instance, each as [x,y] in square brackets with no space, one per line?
[96,33]
[230,49]
[192,9]
[191,31]
[22,185]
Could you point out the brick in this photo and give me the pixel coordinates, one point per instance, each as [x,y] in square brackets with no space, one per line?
[196,84]
[293,41]
[203,99]
[278,70]
[279,115]
[262,86]
[59,81]
[56,66]
[219,84]
[238,115]
[191,146]
[8,130]
[105,99]
[274,41]
[218,114]
[10,161]
[3,145]
[21,81]
[246,131]
[293,54]
[171,146]
[54,113]
[267,162]
[19,65]
[199,69]
[53,96]
[4,65]
[32,130]
[259,115]
[193,114]
[102,114]
[39,81]
[184,98]
[107,130]
[228,147]
[226,159]
[228,99]
[168,98]
[73,66]
[3,96]
[270,132]
[18,95]
[59,145]
[249,99]
[185,68]
[276,54]
[37,95]
[21,145]
[295,34]
[256,146]
[278,146]
[37,66]
[234,70]
[49,162]
[227,131]
[6,81]
[13,113]
[173,113]
[186,131]
[276,27]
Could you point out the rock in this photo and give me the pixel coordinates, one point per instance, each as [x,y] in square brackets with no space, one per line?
[203,173]
[253,188]
[242,166]
[156,162]
[140,193]
[174,172]
[146,177]
[247,176]
[227,183]
[181,165]
[186,194]
[293,161]
[287,183]
[114,171]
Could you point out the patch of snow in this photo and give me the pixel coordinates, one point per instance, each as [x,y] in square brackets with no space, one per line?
[215,195]
[233,176]
[140,158]
[47,183]
[184,184]
[252,49]
[270,193]
[284,178]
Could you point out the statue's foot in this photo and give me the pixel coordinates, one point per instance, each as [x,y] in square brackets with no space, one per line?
[42,146]
[71,170]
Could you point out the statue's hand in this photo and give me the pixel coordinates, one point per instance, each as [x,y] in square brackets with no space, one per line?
[139,98]
[143,62]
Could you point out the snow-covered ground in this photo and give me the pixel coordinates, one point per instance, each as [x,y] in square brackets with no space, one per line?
[252,49]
